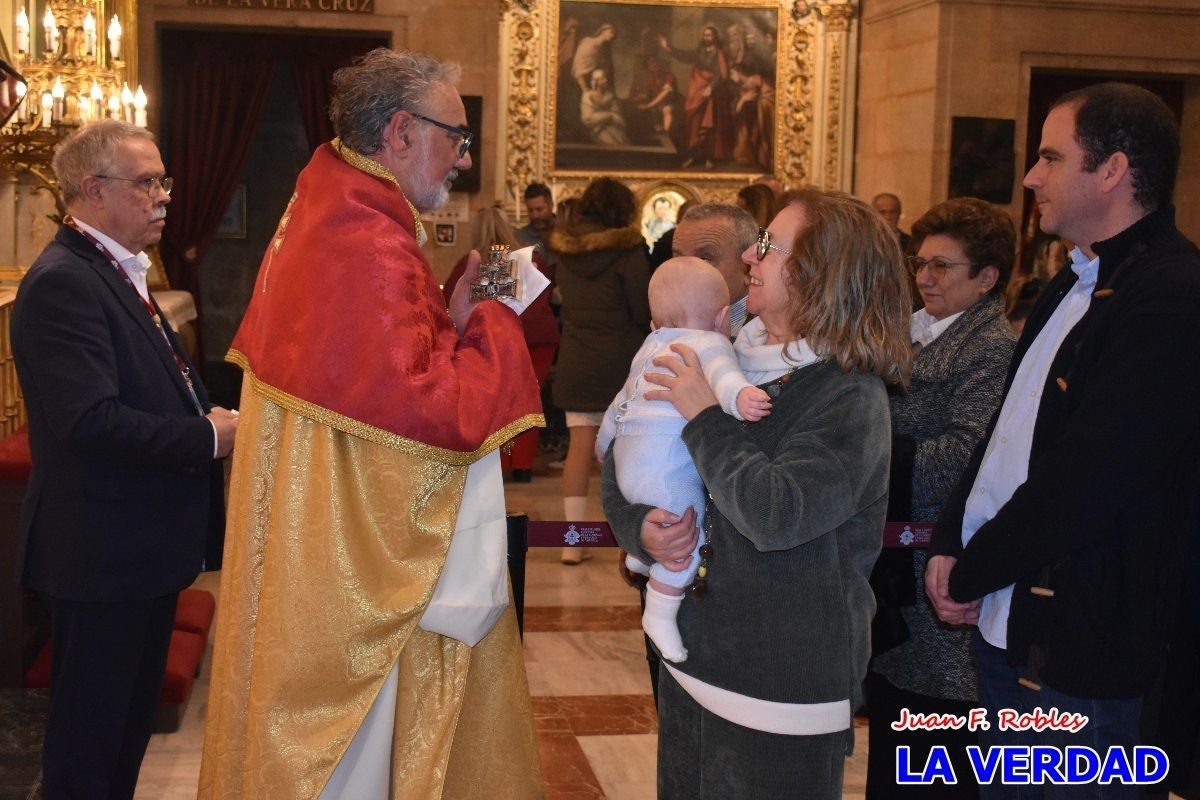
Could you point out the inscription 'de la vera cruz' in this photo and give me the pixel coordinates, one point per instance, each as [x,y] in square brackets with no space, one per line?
[343,6]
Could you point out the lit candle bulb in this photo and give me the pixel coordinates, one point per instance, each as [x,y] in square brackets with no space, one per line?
[114,106]
[114,37]
[50,26]
[22,109]
[89,35]
[127,103]
[97,101]
[22,31]
[58,95]
[139,108]
[47,112]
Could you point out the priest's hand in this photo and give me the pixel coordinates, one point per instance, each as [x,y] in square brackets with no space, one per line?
[460,302]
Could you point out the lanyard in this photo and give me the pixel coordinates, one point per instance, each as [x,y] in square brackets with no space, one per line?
[146,304]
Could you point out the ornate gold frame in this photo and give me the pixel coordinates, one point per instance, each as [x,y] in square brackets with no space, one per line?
[818,48]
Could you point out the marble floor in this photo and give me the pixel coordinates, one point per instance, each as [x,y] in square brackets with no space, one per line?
[587,673]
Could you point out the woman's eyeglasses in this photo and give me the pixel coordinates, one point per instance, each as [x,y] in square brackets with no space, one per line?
[764,245]
[937,266]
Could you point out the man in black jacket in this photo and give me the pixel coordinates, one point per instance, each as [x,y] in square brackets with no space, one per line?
[1063,539]
[125,501]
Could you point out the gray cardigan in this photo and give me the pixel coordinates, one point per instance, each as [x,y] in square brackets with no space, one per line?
[956,388]
[795,521]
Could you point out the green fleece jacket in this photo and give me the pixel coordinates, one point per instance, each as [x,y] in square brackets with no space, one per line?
[795,521]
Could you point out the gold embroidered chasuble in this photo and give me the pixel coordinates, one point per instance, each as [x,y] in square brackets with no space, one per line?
[341,512]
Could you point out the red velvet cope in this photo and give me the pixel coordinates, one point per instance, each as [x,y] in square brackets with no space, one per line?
[346,315]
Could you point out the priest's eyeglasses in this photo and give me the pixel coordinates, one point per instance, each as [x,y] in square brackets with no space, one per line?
[462,133]
[764,245]
[149,184]
[937,266]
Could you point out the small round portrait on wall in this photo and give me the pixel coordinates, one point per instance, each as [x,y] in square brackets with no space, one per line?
[660,212]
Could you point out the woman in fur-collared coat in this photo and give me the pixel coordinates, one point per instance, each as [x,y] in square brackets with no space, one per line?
[602,277]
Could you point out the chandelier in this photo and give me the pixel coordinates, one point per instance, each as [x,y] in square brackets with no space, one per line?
[66,71]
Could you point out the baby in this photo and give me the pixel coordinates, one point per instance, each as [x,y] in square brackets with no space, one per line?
[689,303]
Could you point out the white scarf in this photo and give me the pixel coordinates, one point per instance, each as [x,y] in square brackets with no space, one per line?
[764,362]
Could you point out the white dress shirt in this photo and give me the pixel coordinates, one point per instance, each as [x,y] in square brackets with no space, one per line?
[1005,463]
[924,328]
[135,265]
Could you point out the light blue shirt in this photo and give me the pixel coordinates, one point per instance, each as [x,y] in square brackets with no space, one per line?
[737,316]
[1005,463]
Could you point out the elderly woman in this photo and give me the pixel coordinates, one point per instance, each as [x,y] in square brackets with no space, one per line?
[778,644]
[965,249]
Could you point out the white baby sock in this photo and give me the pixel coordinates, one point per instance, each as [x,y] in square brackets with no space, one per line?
[658,621]
[636,565]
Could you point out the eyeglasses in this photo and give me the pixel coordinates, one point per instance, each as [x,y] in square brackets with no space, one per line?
[466,136]
[764,244]
[149,184]
[937,266]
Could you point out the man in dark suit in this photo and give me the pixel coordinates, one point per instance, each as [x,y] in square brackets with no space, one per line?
[125,502]
[1064,539]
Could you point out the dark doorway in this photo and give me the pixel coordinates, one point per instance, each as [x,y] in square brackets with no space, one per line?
[242,113]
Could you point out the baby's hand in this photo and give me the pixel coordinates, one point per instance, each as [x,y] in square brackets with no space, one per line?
[753,403]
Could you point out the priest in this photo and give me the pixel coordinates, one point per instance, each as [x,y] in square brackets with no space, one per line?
[365,645]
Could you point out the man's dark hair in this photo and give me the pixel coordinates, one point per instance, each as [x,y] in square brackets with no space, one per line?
[539,190]
[1111,117]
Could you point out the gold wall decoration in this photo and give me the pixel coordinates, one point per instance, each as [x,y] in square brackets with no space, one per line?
[806,93]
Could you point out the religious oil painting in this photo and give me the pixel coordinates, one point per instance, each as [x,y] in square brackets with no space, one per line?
[665,87]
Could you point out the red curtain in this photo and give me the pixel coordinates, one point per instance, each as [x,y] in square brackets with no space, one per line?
[314,59]
[219,88]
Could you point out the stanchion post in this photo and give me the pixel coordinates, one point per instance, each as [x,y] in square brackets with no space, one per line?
[518,546]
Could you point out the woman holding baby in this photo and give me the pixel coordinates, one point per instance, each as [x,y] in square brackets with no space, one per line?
[778,644]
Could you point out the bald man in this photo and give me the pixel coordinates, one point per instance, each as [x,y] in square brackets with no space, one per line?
[718,233]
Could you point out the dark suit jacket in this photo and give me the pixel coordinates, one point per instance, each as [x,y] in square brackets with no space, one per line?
[125,500]
[1102,517]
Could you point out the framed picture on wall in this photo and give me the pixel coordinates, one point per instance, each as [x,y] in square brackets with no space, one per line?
[233,224]
[983,158]
[667,87]
[445,233]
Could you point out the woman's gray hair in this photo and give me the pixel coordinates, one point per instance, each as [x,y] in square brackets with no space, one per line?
[373,88]
[90,151]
